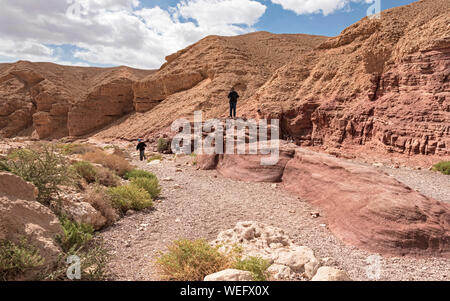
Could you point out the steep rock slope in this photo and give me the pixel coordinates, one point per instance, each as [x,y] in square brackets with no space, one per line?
[58,101]
[200,77]
[381,83]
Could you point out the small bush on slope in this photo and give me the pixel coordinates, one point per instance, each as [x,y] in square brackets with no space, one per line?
[16,259]
[137,173]
[163,145]
[106,177]
[149,185]
[129,197]
[188,260]
[44,167]
[443,167]
[256,265]
[100,200]
[114,162]
[75,236]
[93,265]
[86,170]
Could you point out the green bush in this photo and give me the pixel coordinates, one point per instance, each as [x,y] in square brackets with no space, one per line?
[188,260]
[44,167]
[256,265]
[75,236]
[86,170]
[16,259]
[151,185]
[163,145]
[443,167]
[129,197]
[137,173]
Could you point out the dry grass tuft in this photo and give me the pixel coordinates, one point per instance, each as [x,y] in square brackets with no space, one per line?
[112,161]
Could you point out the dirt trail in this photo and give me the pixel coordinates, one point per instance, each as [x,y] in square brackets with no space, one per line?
[200,204]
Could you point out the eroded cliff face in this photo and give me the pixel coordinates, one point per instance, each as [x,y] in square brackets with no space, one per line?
[382,83]
[55,101]
[201,76]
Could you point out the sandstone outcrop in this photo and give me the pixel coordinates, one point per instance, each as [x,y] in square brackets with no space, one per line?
[230,275]
[364,206]
[368,208]
[57,101]
[21,216]
[330,274]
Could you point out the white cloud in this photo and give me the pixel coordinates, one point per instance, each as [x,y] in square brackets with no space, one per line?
[117,32]
[326,7]
[220,12]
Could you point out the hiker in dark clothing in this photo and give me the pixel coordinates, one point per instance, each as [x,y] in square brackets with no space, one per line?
[233,96]
[141,148]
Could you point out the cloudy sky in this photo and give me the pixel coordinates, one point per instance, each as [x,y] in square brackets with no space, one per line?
[140,33]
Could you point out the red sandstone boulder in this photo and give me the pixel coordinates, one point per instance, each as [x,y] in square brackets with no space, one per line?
[369,209]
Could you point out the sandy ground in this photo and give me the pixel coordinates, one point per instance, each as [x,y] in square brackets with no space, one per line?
[200,204]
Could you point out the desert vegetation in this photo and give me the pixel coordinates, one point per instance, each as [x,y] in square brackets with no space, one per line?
[443,167]
[193,260]
[43,166]
[104,180]
[18,258]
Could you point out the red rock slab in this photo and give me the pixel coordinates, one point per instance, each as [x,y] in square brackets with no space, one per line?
[369,209]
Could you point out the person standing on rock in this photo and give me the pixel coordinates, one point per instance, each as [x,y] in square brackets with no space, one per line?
[233,96]
[141,148]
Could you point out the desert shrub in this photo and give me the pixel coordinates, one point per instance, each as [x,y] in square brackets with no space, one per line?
[120,152]
[75,236]
[151,185]
[188,260]
[137,173]
[86,170]
[4,164]
[106,177]
[443,167]
[114,162]
[155,157]
[100,200]
[129,197]
[163,145]
[75,149]
[256,265]
[44,167]
[93,265]
[16,259]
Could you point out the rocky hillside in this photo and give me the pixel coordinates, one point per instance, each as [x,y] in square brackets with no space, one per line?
[381,83]
[54,101]
[200,77]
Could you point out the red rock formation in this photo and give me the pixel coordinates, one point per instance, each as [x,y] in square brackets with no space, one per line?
[363,206]
[367,208]
[58,101]
[381,84]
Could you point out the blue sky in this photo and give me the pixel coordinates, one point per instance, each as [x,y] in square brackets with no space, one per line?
[140,33]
